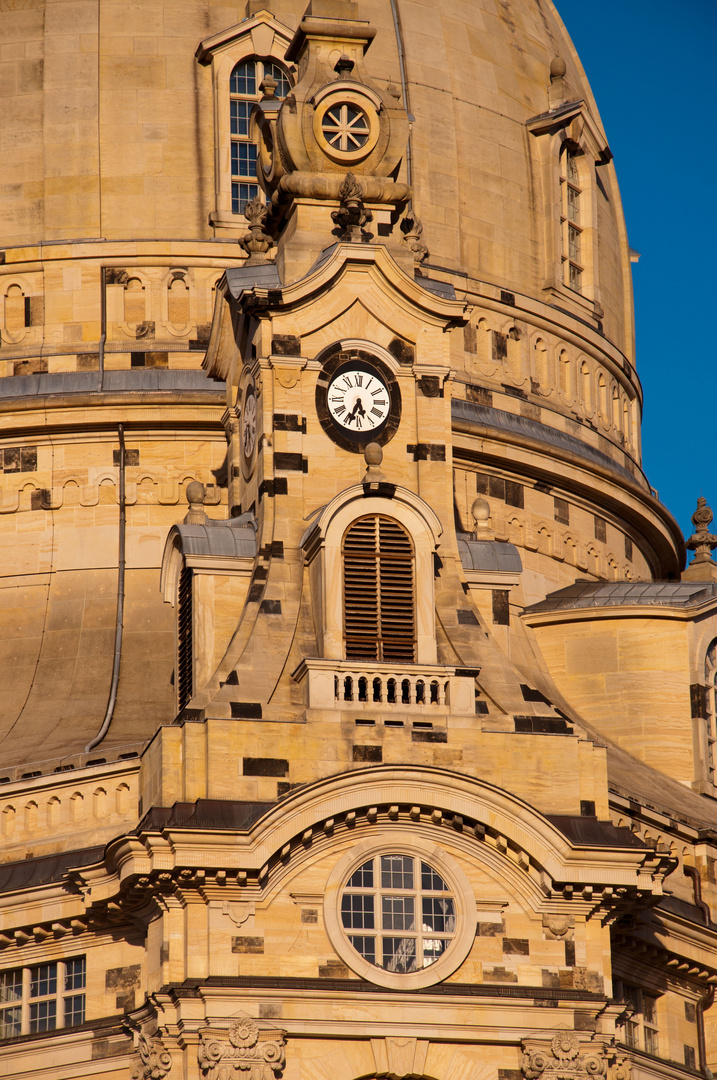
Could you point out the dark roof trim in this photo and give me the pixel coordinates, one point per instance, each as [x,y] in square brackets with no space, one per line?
[204,814]
[48,868]
[589,832]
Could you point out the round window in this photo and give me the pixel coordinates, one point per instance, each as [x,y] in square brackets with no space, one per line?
[345,127]
[398,913]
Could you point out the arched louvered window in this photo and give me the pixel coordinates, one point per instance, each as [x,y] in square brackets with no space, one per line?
[184,638]
[379,601]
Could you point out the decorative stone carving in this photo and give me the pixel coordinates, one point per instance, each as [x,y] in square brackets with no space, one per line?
[245,1051]
[256,242]
[155,1060]
[400,1059]
[351,216]
[412,229]
[702,541]
[565,1058]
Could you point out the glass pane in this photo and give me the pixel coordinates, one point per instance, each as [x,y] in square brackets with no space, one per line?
[357,912]
[281,77]
[631,1033]
[572,167]
[243,78]
[10,1022]
[433,948]
[241,195]
[363,877]
[439,915]
[366,946]
[398,913]
[396,872]
[575,273]
[649,1008]
[574,243]
[43,1016]
[573,204]
[75,973]
[11,985]
[399,954]
[430,880]
[243,159]
[239,112]
[75,1010]
[651,1045]
[43,981]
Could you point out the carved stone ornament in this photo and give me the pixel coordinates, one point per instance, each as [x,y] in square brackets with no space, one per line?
[155,1060]
[702,541]
[244,1051]
[565,1058]
[256,242]
[351,216]
[412,230]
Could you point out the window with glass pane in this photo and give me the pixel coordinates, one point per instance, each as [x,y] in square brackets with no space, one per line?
[244,83]
[408,905]
[43,1001]
[570,198]
[711,710]
[639,1024]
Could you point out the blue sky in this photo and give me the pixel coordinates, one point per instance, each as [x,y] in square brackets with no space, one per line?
[651,65]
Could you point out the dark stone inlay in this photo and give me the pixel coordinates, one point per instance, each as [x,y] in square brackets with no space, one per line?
[246,710]
[367,753]
[246,944]
[264,766]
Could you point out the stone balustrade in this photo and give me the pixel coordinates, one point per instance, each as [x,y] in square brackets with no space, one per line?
[346,684]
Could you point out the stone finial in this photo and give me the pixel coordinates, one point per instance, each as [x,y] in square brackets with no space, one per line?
[559,90]
[256,242]
[558,68]
[412,229]
[482,529]
[268,87]
[702,541]
[373,456]
[195,497]
[344,66]
[351,216]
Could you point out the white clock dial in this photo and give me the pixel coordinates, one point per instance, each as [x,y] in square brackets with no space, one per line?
[358,400]
[249,424]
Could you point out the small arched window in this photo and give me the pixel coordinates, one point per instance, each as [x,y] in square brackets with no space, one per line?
[185,648]
[571,227]
[711,709]
[379,603]
[244,83]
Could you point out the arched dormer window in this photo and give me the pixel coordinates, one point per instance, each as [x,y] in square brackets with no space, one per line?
[244,82]
[239,58]
[378,581]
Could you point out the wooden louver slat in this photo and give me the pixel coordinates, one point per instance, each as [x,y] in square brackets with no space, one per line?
[379,603]
[185,648]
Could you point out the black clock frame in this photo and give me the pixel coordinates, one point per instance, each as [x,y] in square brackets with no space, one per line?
[355,441]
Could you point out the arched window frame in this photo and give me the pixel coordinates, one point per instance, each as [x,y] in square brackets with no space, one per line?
[322,545]
[262,39]
[563,136]
[710,718]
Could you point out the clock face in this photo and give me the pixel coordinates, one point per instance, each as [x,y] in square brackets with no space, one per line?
[248,436]
[358,399]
